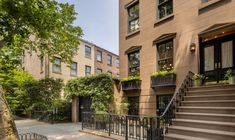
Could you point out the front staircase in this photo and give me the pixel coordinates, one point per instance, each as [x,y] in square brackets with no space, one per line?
[206,113]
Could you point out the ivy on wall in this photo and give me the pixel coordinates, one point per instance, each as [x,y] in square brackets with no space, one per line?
[99,88]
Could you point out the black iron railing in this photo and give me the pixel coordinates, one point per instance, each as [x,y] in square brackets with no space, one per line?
[129,126]
[175,102]
[32,136]
[131,85]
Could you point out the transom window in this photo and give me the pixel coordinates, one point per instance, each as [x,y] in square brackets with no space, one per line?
[99,56]
[88,52]
[73,69]
[134,63]
[133,17]
[165,8]
[56,65]
[109,60]
[87,70]
[165,55]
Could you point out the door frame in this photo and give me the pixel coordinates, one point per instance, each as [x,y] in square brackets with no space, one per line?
[217,46]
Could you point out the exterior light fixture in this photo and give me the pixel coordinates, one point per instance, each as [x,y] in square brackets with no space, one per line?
[192,47]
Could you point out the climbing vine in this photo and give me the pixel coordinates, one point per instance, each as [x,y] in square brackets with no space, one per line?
[99,88]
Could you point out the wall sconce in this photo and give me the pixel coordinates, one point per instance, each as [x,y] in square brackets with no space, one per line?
[192,47]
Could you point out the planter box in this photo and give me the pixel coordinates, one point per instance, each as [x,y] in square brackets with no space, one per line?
[164,81]
[131,85]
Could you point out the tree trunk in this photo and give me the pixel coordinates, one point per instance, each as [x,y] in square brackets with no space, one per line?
[8,129]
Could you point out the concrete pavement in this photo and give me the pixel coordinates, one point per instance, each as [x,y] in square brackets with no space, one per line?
[64,131]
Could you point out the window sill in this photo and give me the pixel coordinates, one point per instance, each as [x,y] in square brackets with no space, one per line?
[73,75]
[162,20]
[132,33]
[207,5]
[57,72]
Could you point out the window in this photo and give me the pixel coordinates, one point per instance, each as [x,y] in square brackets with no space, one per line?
[57,65]
[110,73]
[165,55]
[204,1]
[134,63]
[117,62]
[99,56]
[88,52]
[87,70]
[41,63]
[133,17]
[73,69]
[109,60]
[165,8]
[98,70]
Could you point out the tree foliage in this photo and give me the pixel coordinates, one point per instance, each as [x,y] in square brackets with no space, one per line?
[41,25]
[99,88]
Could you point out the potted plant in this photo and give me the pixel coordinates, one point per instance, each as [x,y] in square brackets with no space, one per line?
[163,78]
[197,79]
[230,76]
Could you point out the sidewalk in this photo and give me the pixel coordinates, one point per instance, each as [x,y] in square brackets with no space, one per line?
[63,131]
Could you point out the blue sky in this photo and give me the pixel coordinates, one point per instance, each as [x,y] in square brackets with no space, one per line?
[99,21]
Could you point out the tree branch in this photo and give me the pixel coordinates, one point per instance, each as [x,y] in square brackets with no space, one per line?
[2,43]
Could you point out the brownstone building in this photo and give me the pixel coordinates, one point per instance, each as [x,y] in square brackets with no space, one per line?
[180,35]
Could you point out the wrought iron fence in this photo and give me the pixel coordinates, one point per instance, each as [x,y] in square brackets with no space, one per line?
[32,136]
[139,127]
[130,126]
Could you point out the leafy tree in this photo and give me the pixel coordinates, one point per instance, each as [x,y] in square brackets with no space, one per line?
[41,25]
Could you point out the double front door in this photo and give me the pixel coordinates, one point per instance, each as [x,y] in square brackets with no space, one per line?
[217,56]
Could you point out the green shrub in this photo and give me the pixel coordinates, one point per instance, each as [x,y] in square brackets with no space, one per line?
[162,73]
[198,77]
[229,73]
[131,78]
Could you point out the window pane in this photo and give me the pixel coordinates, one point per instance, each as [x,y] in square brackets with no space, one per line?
[87,52]
[165,8]
[98,70]
[209,58]
[134,63]
[73,69]
[227,54]
[117,62]
[99,56]
[56,65]
[87,70]
[109,59]
[133,18]
[165,56]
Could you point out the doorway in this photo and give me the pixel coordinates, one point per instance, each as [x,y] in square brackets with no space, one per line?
[217,56]
[84,106]
[133,108]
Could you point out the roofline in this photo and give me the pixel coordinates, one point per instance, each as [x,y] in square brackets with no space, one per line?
[85,41]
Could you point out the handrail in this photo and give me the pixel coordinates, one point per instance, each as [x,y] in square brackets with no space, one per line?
[188,77]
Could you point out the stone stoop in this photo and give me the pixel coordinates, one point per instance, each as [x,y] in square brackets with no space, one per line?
[207,113]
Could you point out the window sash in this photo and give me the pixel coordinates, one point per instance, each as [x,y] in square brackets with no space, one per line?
[109,59]
[133,63]
[165,55]
[57,65]
[99,56]
[73,69]
[133,18]
[87,70]
[88,52]
[165,8]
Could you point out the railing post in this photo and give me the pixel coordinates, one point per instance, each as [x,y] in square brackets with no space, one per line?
[82,120]
[126,138]
[109,124]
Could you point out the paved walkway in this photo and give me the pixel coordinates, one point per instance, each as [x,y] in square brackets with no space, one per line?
[65,131]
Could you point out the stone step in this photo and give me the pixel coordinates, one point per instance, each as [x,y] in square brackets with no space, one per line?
[211,92]
[203,133]
[211,125]
[213,87]
[206,116]
[210,103]
[212,110]
[210,97]
[182,137]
